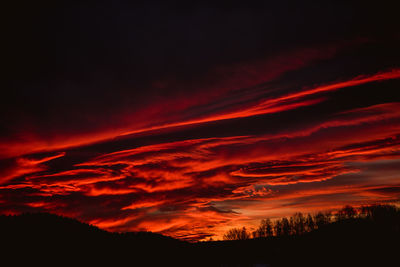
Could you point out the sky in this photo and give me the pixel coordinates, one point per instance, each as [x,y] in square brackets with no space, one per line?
[189,119]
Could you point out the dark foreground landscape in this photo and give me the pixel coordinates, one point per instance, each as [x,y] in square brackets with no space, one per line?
[370,238]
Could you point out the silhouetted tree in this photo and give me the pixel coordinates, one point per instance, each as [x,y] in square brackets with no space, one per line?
[291,225]
[328,216]
[310,224]
[286,229]
[237,234]
[347,212]
[268,227]
[298,224]
[264,230]
[278,228]
[321,219]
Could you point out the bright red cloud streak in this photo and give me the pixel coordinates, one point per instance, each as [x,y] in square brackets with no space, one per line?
[278,104]
[194,188]
[283,103]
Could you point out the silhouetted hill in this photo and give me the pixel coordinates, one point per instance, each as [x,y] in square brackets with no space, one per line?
[47,239]
[49,226]
[355,242]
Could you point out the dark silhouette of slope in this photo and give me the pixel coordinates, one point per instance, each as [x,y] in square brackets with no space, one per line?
[50,239]
[351,243]
[368,238]
[45,239]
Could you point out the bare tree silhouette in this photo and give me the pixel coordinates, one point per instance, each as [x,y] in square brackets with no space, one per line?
[347,212]
[278,228]
[237,234]
[286,228]
[310,223]
[321,219]
[299,224]
[264,230]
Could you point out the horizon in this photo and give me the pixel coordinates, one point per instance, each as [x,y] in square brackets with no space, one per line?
[191,119]
[344,238]
[332,217]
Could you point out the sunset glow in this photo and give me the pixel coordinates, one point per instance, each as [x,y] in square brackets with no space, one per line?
[190,151]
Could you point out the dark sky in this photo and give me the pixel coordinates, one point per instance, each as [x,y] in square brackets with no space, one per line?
[188,119]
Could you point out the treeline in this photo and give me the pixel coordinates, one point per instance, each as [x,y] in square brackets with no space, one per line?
[299,224]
